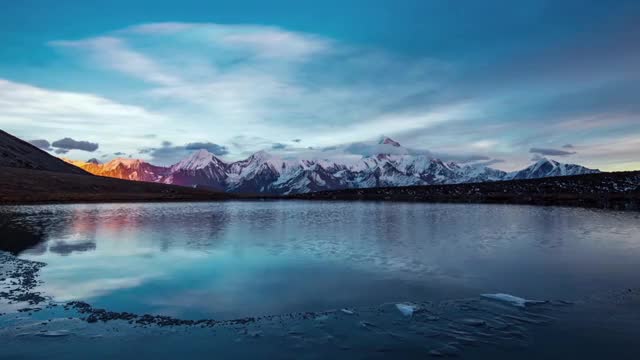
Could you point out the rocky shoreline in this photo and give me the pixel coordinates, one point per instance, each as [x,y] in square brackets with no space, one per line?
[19,278]
[616,191]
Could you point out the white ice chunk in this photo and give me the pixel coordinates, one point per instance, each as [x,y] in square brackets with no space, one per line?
[513,300]
[406,309]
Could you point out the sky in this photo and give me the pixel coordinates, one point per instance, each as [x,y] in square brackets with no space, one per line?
[500,81]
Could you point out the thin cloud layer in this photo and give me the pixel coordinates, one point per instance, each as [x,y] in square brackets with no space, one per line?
[209,146]
[551,152]
[278,146]
[168,154]
[27,109]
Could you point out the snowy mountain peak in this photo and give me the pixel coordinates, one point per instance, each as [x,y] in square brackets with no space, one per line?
[545,167]
[544,164]
[126,162]
[261,155]
[545,160]
[197,160]
[388,141]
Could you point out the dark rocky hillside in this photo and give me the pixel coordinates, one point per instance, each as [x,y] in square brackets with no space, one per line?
[30,175]
[20,154]
[22,186]
[619,190]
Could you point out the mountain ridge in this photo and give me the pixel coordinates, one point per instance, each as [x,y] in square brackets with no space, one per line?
[266,173]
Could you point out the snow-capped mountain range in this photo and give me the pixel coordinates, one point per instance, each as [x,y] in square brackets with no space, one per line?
[263,172]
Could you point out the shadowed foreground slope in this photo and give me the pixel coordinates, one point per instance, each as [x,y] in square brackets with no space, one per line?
[20,154]
[36,186]
[619,190]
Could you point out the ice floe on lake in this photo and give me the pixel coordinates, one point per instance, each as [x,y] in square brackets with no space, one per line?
[513,300]
[406,309]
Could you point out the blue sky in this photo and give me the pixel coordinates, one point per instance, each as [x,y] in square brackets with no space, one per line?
[494,80]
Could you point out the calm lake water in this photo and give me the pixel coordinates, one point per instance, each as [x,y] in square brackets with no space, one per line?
[234,259]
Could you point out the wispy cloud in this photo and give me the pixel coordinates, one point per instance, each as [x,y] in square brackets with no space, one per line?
[278,146]
[31,105]
[26,109]
[168,154]
[551,152]
[277,44]
[266,81]
[114,53]
[264,41]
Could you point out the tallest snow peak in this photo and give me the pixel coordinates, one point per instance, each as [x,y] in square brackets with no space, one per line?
[197,160]
[388,141]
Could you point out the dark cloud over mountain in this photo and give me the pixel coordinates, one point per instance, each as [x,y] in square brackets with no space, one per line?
[41,143]
[210,147]
[71,144]
[551,152]
[168,154]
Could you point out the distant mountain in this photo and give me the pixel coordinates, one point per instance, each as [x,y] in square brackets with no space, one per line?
[121,168]
[547,168]
[16,153]
[388,141]
[390,166]
[202,169]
